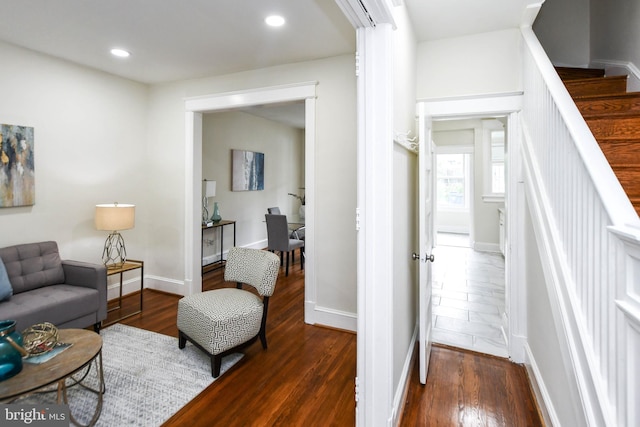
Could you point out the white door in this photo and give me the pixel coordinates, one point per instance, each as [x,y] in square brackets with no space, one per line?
[425,257]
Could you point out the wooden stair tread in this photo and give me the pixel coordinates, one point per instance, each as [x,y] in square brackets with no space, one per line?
[609,105]
[571,73]
[613,115]
[621,152]
[597,85]
[628,177]
[625,127]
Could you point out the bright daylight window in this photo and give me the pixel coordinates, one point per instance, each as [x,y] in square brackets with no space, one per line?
[497,161]
[453,181]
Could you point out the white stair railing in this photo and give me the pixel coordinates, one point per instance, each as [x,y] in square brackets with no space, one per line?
[590,234]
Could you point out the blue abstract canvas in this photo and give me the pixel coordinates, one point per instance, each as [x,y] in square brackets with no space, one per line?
[248,170]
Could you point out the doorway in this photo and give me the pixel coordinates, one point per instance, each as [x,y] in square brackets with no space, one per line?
[470,306]
[195,108]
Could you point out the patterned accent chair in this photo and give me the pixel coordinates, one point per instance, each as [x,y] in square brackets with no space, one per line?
[222,321]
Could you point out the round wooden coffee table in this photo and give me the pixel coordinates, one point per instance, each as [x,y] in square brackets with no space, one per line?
[87,347]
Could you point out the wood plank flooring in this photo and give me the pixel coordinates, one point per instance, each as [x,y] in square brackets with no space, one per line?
[306,376]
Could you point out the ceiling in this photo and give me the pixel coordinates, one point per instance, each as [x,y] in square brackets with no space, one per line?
[173,40]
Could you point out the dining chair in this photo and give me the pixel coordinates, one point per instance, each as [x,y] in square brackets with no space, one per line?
[279,239]
[297,231]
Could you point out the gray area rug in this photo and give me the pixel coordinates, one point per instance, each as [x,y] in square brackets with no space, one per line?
[148,379]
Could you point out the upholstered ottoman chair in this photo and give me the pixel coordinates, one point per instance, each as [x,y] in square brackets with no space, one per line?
[222,321]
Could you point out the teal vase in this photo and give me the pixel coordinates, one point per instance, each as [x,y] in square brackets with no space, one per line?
[216,213]
[10,356]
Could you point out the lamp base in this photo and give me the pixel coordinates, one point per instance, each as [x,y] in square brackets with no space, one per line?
[114,254]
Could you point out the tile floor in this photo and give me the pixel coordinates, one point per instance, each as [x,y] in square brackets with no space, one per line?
[468,296]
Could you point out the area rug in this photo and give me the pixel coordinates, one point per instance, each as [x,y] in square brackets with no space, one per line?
[147,377]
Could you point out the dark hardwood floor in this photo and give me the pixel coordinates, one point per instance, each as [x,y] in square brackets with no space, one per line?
[306,376]
[470,389]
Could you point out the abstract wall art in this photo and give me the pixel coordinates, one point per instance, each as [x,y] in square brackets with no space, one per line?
[17,175]
[247,170]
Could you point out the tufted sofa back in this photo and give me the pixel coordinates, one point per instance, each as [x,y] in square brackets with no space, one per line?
[32,265]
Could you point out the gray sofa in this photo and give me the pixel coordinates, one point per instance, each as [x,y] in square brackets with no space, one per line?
[69,294]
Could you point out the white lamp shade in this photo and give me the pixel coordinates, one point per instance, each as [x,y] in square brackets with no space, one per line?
[210,188]
[114,217]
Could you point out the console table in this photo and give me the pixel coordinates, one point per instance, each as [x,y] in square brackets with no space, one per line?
[221,262]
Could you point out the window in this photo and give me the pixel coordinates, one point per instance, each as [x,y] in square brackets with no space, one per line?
[494,161]
[497,161]
[453,181]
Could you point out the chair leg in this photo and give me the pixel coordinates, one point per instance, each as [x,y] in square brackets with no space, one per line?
[216,363]
[182,340]
[263,338]
[301,258]
[287,271]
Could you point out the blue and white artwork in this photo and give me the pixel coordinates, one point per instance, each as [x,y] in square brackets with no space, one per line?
[247,170]
[17,175]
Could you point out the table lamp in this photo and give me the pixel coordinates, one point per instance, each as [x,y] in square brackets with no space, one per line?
[209,191]
[114,217]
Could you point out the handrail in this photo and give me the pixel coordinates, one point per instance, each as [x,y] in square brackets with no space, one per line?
[614,199]
[588,233]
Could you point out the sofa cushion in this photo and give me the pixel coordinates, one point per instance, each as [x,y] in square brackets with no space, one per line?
[51,304]
[32,265]
[5,285]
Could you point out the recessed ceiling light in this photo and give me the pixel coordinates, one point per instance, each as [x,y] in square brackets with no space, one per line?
[120,53]
[274,21]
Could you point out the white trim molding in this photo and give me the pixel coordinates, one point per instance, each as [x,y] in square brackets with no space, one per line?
[615,68]
[195,107]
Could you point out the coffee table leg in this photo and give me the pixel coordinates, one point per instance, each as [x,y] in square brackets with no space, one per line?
[62,387]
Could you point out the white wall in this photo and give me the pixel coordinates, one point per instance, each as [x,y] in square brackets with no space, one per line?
[481,64]
[283,148]
[405,207]
[90,148]
[615,35]
[615,32]
[335,160]
[100,139]
[562,26]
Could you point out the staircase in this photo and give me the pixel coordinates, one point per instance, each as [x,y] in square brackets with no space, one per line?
[613,115]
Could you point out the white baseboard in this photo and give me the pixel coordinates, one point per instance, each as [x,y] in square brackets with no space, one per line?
[616,68]
[317,315]
[452,229]
[486,247]
[547,410]
[177,287]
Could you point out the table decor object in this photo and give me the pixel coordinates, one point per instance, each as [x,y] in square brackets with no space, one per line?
[11,350]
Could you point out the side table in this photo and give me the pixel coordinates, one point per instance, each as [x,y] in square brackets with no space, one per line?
[129,265]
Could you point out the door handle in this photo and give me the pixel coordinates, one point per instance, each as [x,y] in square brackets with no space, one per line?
[416,257]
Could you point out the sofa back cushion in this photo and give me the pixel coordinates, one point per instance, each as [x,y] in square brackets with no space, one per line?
[32,265]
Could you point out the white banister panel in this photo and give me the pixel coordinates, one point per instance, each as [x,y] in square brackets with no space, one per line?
[585,204]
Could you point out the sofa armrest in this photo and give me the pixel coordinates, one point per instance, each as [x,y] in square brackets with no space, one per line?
[79,273]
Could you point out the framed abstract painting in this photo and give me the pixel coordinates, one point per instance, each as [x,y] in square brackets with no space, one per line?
[247,170]
[17,175]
